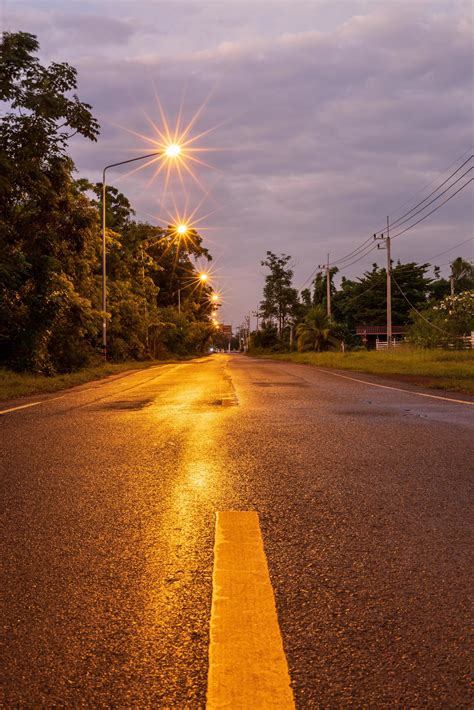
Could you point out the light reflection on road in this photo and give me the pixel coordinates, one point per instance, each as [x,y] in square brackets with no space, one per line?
[183,534]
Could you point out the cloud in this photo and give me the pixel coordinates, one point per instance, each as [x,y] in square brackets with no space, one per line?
[337,113]
[91,29]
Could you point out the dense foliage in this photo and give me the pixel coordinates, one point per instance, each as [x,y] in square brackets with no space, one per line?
[422,304]
[50,241]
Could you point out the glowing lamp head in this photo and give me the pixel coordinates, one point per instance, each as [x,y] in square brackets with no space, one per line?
[203,277]
[173,150]
[214,298]
[181,229]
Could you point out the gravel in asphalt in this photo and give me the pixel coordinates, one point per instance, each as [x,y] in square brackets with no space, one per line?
[109,497]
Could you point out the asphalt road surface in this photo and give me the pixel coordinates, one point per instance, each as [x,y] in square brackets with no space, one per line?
[109,495]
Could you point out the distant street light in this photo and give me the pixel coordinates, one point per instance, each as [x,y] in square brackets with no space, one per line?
[203,277]
[172,151]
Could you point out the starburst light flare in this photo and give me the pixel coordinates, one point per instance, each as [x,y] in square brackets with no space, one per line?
[177,147]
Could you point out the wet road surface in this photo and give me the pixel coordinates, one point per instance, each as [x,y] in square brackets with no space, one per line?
[109,495]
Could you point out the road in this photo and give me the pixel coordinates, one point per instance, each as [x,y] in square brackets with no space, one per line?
[110,492]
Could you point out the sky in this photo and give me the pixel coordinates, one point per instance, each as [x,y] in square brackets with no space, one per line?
[327,116]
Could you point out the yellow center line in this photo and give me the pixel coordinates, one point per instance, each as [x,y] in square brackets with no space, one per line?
[247,663]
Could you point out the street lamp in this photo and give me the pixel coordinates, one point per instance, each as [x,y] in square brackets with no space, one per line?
[172,151]
[203,277]
[180,230]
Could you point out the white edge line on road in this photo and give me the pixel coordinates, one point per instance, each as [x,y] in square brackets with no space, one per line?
[31,404]
[51,399]
[22,406]
[397,389]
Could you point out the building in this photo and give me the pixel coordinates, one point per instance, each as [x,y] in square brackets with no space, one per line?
[374,335]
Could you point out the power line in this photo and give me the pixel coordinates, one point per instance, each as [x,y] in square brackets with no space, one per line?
[361,256]
[460,157]
[370,248]
[396,221]
[417,311]
[399,223]
[370,288]
[442,253]
[352,253]
[434,210]
[362,251]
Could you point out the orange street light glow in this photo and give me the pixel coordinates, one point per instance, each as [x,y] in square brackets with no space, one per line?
[177,146]
[215,297]
[173,150]
[181,229]
[203,277]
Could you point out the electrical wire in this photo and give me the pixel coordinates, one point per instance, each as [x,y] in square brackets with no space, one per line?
[400,220]
[361,256]
[417,311]
[432,211]
[354,298]
[361,251]
[353,252]
[396,221]
[399,223]
[428,184]
[442,253]
[367,251]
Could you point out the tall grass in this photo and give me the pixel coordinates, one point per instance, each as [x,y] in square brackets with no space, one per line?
[18,384]
[444,369]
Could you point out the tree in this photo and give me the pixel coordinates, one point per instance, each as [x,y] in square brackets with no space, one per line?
[266,337]
[50,240]
[439,287]
[316,330]
[445,322]
[365,301]
[462,274]
[279,296]
[320,287]
[48,231]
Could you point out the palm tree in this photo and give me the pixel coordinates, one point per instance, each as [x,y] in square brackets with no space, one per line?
[462,275]
[315,331]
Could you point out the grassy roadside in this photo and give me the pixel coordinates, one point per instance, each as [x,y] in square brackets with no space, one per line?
[438,369]
[20,384]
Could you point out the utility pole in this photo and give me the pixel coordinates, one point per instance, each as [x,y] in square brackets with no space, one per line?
[328,289]
[328,286]
[145,304]
[256,315]
[389,288]
[386,240]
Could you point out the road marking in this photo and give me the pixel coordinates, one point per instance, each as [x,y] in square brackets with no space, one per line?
[397,389]
[247,663]
[22,406]
[31,404]
[93,383]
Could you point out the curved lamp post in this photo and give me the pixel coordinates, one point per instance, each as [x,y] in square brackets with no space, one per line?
[172,151]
